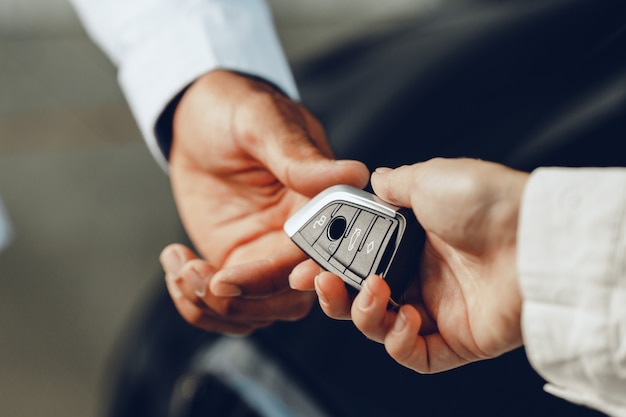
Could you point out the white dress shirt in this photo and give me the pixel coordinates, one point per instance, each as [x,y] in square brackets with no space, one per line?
[572,268]
[572,235]
[161,46]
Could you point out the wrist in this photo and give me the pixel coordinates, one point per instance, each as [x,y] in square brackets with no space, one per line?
[164,127]
[515,192]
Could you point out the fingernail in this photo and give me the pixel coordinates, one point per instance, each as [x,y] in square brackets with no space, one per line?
[400,323]
[290,284]
[365,298]
[171,260]
[172,282]
[224,289]
[291,277]
[196,281]
[382,170]
[320,294]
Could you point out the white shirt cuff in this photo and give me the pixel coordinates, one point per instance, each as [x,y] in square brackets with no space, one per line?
[572,268]
[238,36]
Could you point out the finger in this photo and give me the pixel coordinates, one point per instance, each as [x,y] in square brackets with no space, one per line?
[257,279]
[171,282]
[197,314]
[403,342]
[369,310]
[219,313]
[423,354]
[193,280]
[446,184]
[188,289]
[287,306]
[437,178]
[396,185]
[302,277]
[333,296]
[174,257]
[198,317]
[433,189]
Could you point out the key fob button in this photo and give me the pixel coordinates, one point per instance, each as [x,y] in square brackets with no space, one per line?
[318,224]
[353,238]
[365,259]
[326,245]
[337,228]
[325,248]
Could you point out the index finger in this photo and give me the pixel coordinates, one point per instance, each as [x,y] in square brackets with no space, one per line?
[257,279]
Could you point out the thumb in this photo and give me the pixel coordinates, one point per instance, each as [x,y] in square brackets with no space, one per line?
[311,175]
[457,199]
[396,185]
[292,145]
[425,188]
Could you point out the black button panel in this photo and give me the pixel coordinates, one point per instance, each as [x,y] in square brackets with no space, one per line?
[349,239]
[326,246]
[352,242]
[365,261]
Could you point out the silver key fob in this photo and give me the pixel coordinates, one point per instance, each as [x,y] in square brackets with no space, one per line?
[353,234]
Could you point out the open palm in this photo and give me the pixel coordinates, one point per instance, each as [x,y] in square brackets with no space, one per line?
[245,157]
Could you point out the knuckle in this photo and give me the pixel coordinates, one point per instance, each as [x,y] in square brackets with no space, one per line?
[268,108]
[228,308]
[372,328]
[362,322]
[254,105]
[396,351]
[297,306]
[192,316]
[399,353]
[300,310]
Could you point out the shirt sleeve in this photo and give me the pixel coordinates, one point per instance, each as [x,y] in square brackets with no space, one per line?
[572,268]
[161,46]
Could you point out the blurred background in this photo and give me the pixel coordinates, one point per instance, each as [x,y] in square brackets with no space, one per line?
[90,209]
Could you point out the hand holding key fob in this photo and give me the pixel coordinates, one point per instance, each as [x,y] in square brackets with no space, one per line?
[353,234]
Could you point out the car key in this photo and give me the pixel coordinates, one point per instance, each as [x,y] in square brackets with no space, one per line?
[353,233]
